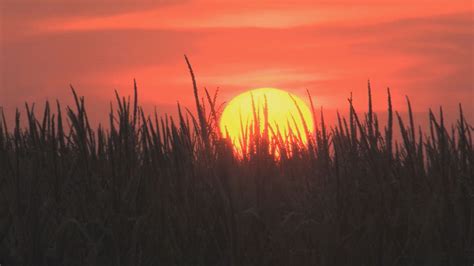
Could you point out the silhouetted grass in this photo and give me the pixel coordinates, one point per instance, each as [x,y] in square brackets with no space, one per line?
[149,190]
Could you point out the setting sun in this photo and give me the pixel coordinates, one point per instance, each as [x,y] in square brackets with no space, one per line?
[238,117]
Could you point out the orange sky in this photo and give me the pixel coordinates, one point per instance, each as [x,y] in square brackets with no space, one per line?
[423,49]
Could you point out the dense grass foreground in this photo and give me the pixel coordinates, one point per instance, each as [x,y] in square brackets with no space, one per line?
[158,191]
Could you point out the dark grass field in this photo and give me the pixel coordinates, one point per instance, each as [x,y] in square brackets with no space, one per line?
[148,190]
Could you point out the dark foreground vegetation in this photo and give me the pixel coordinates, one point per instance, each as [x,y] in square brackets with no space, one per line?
[162,191]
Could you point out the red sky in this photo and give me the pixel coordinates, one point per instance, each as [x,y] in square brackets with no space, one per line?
[423,49]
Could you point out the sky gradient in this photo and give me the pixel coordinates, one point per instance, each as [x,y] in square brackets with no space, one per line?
[423,49]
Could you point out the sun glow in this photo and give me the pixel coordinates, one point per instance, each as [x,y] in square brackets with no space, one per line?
[284,119]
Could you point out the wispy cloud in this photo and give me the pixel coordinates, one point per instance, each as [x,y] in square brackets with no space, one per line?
[212,14]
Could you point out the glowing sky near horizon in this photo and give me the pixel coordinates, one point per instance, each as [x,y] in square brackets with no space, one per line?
[423,49]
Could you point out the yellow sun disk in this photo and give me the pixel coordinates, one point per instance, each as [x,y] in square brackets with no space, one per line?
[283,115]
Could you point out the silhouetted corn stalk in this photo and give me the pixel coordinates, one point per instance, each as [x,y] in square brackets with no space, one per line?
[148,190]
